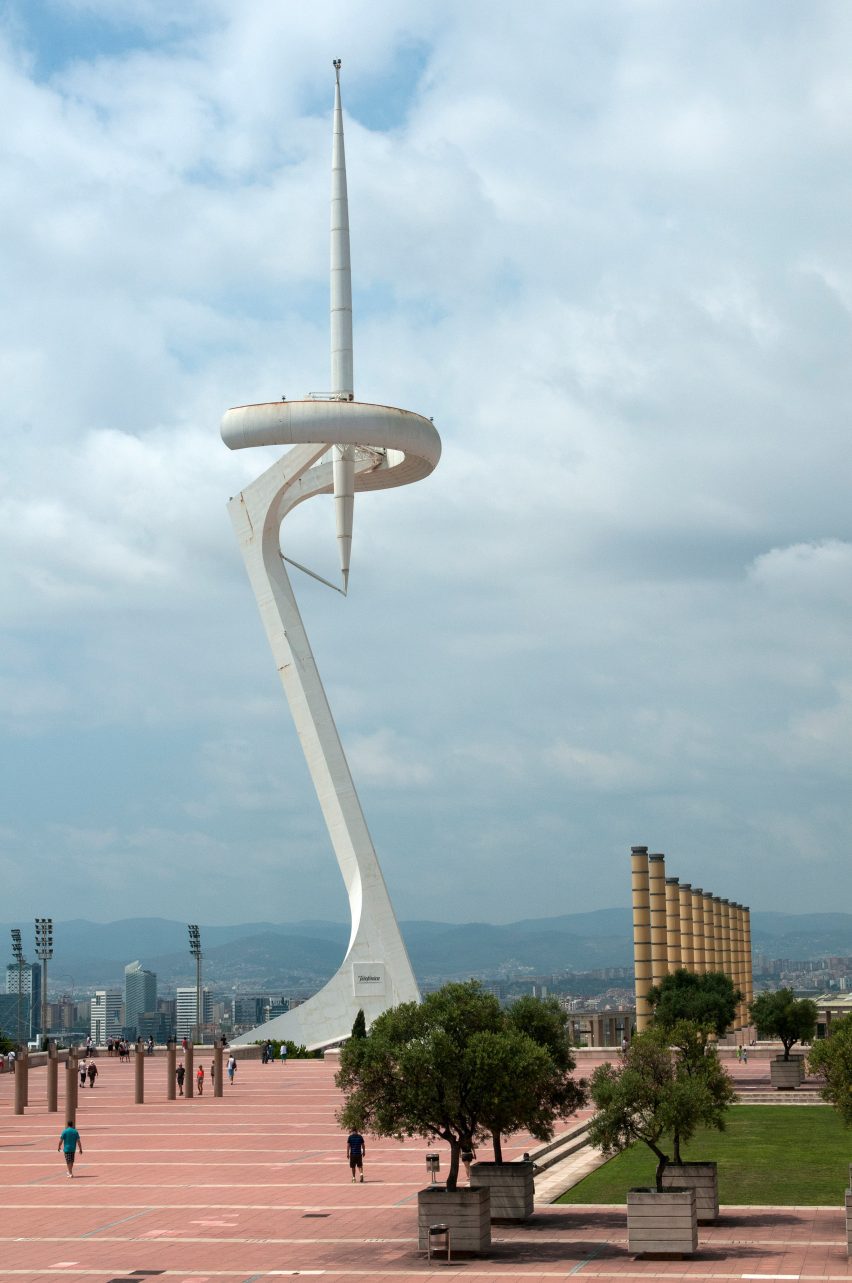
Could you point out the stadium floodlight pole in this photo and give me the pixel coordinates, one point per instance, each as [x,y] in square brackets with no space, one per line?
[18,952]
[195,950]
[44,950]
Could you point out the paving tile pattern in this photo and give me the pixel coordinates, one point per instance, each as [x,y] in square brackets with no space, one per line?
[255,1186]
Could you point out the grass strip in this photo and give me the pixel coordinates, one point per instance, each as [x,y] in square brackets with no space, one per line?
[785,1155]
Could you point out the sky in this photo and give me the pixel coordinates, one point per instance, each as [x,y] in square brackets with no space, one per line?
[606,247]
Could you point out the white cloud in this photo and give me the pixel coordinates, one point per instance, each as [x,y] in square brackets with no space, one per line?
[608,251]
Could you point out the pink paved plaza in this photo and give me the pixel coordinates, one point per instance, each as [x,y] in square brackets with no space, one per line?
[255,1186]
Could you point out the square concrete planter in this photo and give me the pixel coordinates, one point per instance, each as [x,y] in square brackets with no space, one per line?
[702,1178]
[787,1075]
[662,1224]
[512,1187]
[467,1212]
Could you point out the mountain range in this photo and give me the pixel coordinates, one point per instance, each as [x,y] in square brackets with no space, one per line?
[268,956]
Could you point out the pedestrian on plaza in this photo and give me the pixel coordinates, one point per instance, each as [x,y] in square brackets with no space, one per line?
[183,1042]
[199,1080]
[10,1060]
[92,1072]
[180,1074]
[739,1052]
[232,1068]
[356,1148]
[745,1055]
[150,1045]
[264,1055]
[283,1053]
[467,1157]
[69,1141]
[82,1073]
[89,1045]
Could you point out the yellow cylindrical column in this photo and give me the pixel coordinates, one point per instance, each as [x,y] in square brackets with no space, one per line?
[217,1067]
[709,933]
[71,1071]
[657,897]
[749,974]
[725,933]
[698,952]
[739,979]
[717,932]
[673,924]
[641,933]
[686,952]
[189,1080]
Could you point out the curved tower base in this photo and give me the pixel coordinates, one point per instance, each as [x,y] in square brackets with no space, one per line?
[375,973]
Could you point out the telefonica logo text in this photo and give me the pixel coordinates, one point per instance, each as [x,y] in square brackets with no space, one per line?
[367,979]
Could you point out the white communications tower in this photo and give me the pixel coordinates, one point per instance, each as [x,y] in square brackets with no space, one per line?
[338,446]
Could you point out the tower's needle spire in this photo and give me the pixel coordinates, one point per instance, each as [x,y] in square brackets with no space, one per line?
[342,380]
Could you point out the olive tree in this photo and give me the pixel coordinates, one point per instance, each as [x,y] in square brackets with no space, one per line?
[659,1095]
[832,1057]
[784,1016]
[710,999]
[453,1068]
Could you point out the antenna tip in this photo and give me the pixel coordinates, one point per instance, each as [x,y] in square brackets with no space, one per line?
[337,64]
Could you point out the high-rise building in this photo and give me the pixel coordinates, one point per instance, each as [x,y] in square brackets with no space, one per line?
[186,1009]
[140,994]
[9,1013]
[106,1018]
[30,980]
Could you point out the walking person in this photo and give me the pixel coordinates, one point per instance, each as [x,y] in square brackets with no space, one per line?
[356,1148]
[232,1068]
[92,1072]
[82,1073]
[199,1080]
[282,1055]
[10,1060]
[180,1074]
[69,1141]
[467,1157]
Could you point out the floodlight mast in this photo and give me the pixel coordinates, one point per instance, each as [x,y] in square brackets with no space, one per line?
[372,447]
[195,950]
[44,950]
[18,954]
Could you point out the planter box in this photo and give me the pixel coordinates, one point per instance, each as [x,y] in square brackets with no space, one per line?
[662,1224]
[512,1187]
[849,1219]
[467,1212]
[787,1075]
[702,1178]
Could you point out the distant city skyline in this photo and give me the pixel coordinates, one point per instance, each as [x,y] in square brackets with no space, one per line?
[607,250]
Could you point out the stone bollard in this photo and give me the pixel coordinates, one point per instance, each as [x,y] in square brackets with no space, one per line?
[24,1064]
[71,1072]
[52,1078]
[189,1081]
[217,1065]
[20,1085]
[171,1068]
[139,1073]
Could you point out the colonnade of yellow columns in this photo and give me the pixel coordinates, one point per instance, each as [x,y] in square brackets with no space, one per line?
[678,925]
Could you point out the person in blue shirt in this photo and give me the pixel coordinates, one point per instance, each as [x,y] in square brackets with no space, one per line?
[70,1142]
[355,1150]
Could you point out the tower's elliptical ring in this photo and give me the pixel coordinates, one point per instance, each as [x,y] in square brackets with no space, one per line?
[338,446]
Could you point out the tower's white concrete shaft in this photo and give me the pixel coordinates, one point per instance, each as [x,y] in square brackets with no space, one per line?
[385,447]
[342,373]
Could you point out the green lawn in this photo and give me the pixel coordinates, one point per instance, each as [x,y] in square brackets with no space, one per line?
[781,1154]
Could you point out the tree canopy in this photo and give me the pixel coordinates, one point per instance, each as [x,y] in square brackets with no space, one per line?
[456,1067]
[782,1015]
[832,1057]
[669,1084]
[710,999]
